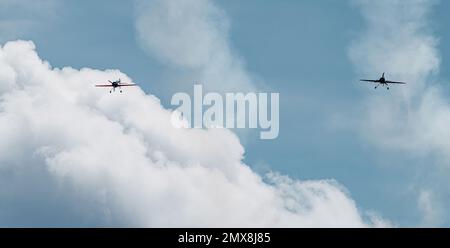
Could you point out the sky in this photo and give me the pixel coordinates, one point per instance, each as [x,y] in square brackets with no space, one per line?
[380,157]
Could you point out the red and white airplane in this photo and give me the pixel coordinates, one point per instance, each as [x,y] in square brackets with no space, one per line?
[114,85]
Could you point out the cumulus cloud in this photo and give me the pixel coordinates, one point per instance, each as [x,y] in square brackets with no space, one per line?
[193,35]
[75,155]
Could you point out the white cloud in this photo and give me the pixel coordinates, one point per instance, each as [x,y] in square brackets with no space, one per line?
[430,208]
[399,41]
[414,118]
[193,35]
[72,154]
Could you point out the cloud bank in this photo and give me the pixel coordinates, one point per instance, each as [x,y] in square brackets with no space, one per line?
[75,155]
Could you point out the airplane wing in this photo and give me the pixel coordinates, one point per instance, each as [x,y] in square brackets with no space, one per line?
[103,85]
[127,84]
[368,80]
[393,82]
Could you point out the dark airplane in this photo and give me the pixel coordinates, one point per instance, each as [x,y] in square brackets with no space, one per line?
[114,85]
[382,82]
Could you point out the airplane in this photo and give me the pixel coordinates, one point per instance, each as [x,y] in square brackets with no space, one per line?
[114,85]
[382,81]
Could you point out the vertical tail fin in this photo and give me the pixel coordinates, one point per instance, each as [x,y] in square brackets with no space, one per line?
[382,75]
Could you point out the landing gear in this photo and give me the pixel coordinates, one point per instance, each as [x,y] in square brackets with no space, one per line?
[388,88]
[376,87]
[110,91]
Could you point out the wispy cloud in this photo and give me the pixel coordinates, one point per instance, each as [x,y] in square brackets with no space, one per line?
[430,208]
[18,17]
[398,39]
[193,35]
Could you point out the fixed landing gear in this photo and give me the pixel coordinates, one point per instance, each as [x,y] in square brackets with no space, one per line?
[387,87]
[114,90]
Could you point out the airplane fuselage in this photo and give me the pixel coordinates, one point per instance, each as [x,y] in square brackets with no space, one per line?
[115,84]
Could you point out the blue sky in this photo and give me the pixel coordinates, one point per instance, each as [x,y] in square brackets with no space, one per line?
[297,48]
